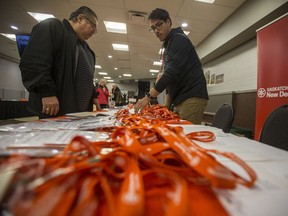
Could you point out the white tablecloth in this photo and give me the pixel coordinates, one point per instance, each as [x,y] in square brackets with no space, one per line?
[269,195]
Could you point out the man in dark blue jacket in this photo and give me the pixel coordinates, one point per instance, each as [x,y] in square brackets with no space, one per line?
[183,74]
[57,66]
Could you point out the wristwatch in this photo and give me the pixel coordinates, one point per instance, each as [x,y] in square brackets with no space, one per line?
[148,95]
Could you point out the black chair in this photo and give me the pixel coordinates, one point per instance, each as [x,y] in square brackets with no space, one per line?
[223,118]
[275,128]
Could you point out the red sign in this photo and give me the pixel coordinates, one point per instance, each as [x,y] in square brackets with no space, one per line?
[272,80]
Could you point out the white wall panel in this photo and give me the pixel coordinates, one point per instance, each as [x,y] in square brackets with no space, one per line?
[10,76]
[239,68]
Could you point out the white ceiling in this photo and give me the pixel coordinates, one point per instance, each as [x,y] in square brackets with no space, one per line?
[202,20]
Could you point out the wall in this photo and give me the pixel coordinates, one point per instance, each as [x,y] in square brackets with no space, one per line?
[11,86]
[239,68]
[240,74]
[240,27]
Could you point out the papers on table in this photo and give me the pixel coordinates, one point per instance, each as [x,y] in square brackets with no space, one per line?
[65,123]
[41,138]
[56,131]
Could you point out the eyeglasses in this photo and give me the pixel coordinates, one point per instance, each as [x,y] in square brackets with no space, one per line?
[157,26]
[93,25]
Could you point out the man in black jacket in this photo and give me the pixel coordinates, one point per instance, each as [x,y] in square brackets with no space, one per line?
[183,74]
[57,66]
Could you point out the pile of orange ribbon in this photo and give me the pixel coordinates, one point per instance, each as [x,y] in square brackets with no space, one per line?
[146,168]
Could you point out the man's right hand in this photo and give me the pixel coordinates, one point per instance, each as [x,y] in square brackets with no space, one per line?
[141,104]
[50,105]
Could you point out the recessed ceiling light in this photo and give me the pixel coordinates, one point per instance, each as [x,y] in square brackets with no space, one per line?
[127,75]
[115,68]
[154,71]
[206,1]
[110,80]
[120,76]
[109,56]
[161,51]
[103,73]
[40,16]
[14,27]
[107,77]
[10,36]
[157,63]
[98,66]
[120,47]
[184,25]
[115,27]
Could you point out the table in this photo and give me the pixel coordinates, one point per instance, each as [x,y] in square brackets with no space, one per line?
[267,197]
[13,109]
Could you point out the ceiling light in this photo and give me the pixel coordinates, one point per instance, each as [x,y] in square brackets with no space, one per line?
[103,73]
[109,56]
[206,1]
[98,66]
[120,76]
[154,71]
[115,68]
[127,75]
[107,77]
[120,47]
[110,80]
[152,74]
[40,16]
[14,27]
[10,36]
[115,27]
[157,63]
[184,25]
[161,51]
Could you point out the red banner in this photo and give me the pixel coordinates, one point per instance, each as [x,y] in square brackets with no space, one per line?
[272,80]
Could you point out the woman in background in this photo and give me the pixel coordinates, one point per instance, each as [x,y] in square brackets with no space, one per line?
[103,94]
[116,95]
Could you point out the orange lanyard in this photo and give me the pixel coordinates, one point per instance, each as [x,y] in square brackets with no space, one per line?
[147,160]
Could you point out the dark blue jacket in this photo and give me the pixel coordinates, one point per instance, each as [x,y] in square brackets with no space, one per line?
[183,74]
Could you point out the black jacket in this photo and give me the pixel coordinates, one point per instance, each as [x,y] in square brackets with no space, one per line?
[48,65]
[183,74]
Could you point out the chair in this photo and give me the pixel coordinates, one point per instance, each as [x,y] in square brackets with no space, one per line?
[275,128]
[223,118]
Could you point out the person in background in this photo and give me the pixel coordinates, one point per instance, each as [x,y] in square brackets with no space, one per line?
[183,75]
[103,94]
[116,95]
[96,94]
[58,65]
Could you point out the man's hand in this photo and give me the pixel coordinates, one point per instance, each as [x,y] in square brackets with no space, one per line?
[141,104]
[50,105]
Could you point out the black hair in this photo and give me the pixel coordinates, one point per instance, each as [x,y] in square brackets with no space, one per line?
[160,14]
[82,10]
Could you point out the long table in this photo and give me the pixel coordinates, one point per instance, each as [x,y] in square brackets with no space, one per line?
[267,197]
[13,109]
